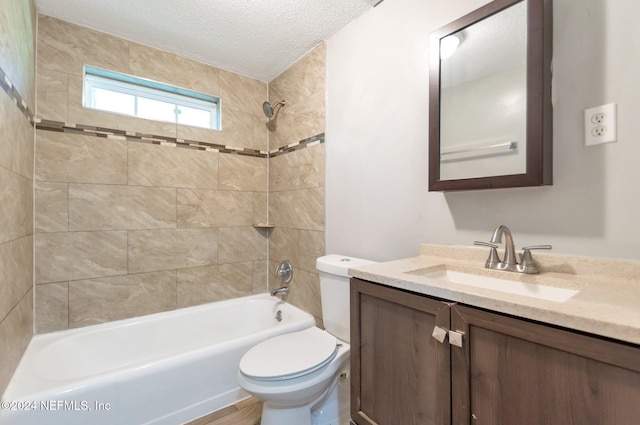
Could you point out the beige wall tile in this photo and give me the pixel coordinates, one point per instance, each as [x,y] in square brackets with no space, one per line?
[261,133]
[79,255]
[199,134]
[66,47]
[299,121]
[167,249]
[302,86]
[236,244]
[53,92]
[51,207]
[151,250]
[260,140]
[242,93]
[16,331]
[302,79]
[260,205]
[299,169]
[304,292]
[283,245]
[312,166]
[17,60]
[52,307]
[17,46]
[311,246]
[214,208]
[153,165]
[95,301]
[299,209]
[214,283]
[301,247]
[16,272]
[238,172]
[144,126]
[284,172]
[237,129]
[16,138]
[260,276]
[65,157]
[111,207]
[16,205]
[168,68]
[196,247]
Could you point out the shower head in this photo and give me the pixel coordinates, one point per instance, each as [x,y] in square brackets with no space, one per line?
[270,109]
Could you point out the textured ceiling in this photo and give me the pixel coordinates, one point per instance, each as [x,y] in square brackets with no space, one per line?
[256,38]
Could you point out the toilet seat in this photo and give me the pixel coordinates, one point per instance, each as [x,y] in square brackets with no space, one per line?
[289,355]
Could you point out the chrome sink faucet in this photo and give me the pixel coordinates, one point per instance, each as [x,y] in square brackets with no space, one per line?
[510,259]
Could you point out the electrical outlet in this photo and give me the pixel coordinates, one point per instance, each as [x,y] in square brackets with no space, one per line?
[600,125]
[599,131]
[598,118]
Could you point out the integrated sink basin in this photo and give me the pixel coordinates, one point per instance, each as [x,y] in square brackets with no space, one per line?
[483,279]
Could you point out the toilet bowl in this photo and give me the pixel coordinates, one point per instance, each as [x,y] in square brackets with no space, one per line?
[303,377]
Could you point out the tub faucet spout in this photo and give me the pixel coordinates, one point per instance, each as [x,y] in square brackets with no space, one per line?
[280,291]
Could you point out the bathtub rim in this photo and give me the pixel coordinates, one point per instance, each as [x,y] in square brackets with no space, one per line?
[16,391]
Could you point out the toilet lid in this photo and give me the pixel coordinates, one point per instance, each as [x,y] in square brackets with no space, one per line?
[290,355]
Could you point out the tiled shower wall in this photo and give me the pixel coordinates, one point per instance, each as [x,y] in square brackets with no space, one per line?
[130,220]
[17,103]
[296,177]
[134,216]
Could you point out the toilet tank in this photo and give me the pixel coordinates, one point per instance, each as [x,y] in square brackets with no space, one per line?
[334,292]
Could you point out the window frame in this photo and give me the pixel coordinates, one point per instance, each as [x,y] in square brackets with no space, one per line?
[98,78]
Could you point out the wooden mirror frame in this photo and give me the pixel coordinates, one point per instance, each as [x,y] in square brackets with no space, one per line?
[539,110]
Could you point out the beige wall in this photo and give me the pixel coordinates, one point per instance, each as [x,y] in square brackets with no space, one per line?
[296,177]
[123,226]
[17,62]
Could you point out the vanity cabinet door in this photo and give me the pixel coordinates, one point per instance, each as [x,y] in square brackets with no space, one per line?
[400,373]
[511,371]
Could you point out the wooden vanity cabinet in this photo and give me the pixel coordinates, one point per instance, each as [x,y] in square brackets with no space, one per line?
[509,371]
[399,373]
[513,371]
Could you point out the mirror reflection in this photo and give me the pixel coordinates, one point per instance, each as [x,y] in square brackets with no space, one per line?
[483,97]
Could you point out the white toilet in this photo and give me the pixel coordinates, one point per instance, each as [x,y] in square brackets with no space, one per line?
[302,377]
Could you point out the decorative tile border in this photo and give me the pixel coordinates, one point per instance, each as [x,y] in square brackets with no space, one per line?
[132,136]
[311,141]
[10,89]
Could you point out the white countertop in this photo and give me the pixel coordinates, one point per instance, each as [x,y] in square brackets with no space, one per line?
[607,304]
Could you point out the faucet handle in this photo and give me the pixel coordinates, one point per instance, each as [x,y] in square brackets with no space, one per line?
[493,260]
[527,248]
[285,271]
[527,265]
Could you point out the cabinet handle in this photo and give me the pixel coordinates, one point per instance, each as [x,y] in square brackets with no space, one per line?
[440,334]
[455,338]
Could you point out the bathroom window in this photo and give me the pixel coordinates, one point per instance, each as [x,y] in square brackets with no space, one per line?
[124,94]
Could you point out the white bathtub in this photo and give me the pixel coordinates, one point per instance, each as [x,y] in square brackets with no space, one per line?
[164,368]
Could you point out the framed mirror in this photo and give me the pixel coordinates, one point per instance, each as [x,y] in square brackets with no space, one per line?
[490,113]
